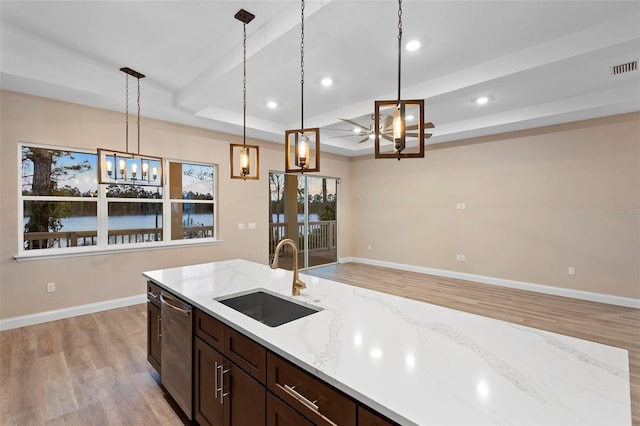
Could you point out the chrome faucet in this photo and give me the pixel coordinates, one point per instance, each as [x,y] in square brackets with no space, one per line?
[297,285]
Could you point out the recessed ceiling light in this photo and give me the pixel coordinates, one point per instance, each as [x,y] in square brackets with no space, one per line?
[356,130]
[482,100]
[272,104]
[412,45]
[326,82]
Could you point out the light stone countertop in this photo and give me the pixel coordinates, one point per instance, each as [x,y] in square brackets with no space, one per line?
[417,363]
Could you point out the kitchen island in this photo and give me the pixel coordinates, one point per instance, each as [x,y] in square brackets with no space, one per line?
[417,363]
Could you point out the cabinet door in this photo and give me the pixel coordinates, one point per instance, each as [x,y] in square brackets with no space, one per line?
[245,397]
[153,335]
[369,418]
[280,414]
[206,405]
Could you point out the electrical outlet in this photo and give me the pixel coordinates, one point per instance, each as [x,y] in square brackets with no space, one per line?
[463,206]
[571,270]
[458,258]
[463,258]
[252,225]
[241,226]
[369,247]
[51,287]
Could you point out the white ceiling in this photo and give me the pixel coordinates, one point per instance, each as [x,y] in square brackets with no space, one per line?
[538,62]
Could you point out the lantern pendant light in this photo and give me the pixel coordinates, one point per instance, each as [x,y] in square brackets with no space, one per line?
[302,146]
[244,158]
[129,168]
[394,115]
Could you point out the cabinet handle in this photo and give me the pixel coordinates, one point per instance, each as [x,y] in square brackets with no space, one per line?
[215,380]
[159,328]
[297,395]
[222,392]
[173,304]
[152,295]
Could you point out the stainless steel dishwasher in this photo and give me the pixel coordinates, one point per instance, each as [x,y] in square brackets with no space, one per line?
[176,350]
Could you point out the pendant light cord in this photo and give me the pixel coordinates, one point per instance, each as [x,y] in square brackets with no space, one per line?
[138,116]
[244,85]
[399,45]
[302,66]
[126,109]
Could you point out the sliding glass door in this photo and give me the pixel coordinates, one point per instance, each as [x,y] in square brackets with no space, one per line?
[303,208]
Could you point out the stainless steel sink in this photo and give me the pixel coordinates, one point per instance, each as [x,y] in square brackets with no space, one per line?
[268,308]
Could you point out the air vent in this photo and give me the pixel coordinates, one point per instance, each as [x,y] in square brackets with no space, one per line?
[628,67]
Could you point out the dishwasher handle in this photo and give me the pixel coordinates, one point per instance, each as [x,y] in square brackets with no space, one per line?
[174,304]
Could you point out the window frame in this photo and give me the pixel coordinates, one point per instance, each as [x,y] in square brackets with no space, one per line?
[102,219]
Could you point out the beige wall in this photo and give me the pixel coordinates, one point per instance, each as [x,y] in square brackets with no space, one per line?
[88,279]
[537,202]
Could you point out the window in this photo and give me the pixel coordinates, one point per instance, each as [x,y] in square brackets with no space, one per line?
[65,210]
[192,202]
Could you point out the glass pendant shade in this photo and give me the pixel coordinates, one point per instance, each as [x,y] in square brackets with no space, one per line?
[124,168]
[244,161]
[397,136]
[302,149]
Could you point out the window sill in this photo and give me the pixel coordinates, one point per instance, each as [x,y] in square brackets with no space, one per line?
[121,248]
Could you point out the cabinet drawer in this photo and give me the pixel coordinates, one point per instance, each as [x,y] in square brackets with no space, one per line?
[280,414]
[153,293]
[246,353]
[367,417]
[210,330]
[316,400]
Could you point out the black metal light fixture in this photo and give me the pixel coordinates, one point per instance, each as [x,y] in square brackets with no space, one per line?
[394,114]
[129,168]
[244,158]
[302,146]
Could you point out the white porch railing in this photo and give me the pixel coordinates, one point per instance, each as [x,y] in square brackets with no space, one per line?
[321,236]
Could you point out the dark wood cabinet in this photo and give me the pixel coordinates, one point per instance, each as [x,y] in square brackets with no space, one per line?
[280,414]
[238,382]
[154,329]
[317,401]
[367,417]
[229,376]
[206,405]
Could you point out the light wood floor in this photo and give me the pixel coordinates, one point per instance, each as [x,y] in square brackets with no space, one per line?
[92,370]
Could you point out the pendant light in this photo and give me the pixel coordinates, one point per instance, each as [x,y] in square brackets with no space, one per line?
[129,168]
[302,146]
[391,118]
[244,158]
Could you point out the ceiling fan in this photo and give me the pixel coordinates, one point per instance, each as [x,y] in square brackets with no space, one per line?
[386,129]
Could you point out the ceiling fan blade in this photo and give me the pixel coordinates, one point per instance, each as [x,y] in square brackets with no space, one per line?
[387,122]
[337,130]
[415,135]
[347,136]
[366,138]
[389,138]
[355,124]
[428,125]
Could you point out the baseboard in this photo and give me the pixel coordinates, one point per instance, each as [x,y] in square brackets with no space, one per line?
[41,317]
[539,288]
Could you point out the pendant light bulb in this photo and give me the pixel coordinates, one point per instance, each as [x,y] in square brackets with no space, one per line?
[123,168]
[398,126]
[244,161]
[303,151]
[109,167]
